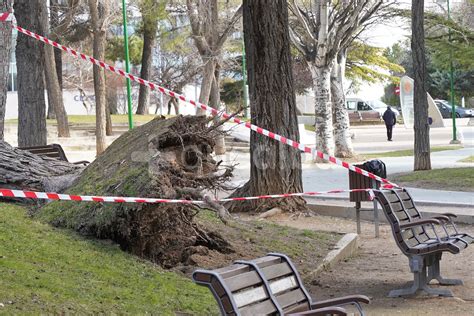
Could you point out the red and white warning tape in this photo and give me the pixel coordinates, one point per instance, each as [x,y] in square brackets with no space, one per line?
[114,199]
[212,111]
[4,16]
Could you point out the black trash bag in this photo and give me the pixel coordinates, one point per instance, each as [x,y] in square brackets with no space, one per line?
[376,167]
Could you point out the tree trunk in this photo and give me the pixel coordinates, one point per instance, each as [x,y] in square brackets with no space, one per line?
[58,59]
[152,160]
[215,102]
[342,137]
[206,84]
[420,100]
[5,54]
[30,65]
[50,115]
[324,128]
[58,55]
[56,108]
[98,15]
[55,95]
[109,127]
[22,170]
[112,97]
[149,37]
[275,167]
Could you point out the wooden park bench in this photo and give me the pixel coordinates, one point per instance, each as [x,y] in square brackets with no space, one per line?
[419,239]
[354,117]
[52,151]
[370,116]
[268,286]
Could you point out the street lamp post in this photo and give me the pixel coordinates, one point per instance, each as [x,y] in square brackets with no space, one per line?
[451,79]
[127,65]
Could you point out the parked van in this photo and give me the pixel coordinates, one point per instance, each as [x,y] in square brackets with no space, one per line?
[367,106]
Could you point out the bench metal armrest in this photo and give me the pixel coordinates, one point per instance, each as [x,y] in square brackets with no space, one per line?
[450,215]
[442,218]
[350,299]
[322,312]
[419,222]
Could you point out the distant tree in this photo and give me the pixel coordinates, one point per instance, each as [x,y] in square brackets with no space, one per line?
[366,63]
[100,14]
[210,30]
[30,65]
[320,31]
[53,85]
[114,49]
[275,167]
[152,11]
[420,100]
[5,53]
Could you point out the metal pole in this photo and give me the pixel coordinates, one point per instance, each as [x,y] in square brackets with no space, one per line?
[451,75]
[127,65]
[244,76]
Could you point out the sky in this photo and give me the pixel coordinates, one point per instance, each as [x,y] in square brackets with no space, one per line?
[385,35]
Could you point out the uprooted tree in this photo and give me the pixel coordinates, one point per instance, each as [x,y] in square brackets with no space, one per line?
[168,159]
[20,169]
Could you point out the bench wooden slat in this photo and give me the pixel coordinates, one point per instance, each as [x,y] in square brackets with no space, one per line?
[249,297]
[236,269]
[289,299]
[251,278]
[262,308]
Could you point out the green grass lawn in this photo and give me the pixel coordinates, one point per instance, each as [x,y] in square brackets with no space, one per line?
[90,119]
[468,159]
[409,152]
[44,270]
[457,179]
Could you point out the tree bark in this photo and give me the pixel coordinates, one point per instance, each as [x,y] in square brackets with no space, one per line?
[149,39]
[275,167]
[322,91]
[108,118]
[55,95]
[99,10]
[112,96]
[206,84]
[163,158]
[5,54]
[342,137]
[215,102]
[22,170]
[30,65]
[50,115]
[56,109]
[420,100]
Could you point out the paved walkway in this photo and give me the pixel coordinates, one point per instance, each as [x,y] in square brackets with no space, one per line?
[323,177]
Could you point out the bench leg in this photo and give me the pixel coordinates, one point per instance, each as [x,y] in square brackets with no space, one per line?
[420,281]
[434,274]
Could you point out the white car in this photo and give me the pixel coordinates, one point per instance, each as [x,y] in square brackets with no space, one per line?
[361,105]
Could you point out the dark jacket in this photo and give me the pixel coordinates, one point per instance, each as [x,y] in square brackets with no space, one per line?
[389,117]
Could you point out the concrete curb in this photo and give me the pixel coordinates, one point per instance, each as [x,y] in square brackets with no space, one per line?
[345,248]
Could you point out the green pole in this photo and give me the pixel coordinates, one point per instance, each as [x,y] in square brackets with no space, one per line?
[451,75]
[244,75]
[127,65]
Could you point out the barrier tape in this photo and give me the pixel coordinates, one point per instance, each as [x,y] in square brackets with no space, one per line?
[210,110]
[4,16]
[115,199]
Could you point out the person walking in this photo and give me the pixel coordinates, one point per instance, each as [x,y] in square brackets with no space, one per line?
[390,119]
